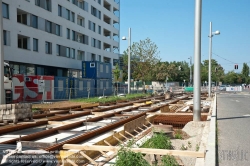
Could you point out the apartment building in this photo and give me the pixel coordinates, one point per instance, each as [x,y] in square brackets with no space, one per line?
[53,37]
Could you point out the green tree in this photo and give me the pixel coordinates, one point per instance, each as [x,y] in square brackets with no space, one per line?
[144,57]
[245,73]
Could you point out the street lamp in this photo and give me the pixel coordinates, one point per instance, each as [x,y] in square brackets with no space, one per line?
[190,79]
[210,56]
[129,51]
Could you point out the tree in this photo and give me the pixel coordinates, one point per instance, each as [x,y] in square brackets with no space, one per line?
[217,72]
[144,57]
[116,73]
[245,73]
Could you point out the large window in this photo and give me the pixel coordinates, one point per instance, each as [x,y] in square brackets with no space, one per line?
[5,10]
[48,47]
[35,44]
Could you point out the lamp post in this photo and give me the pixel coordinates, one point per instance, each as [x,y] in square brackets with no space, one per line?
[190,79]
[210,56]
[129,51]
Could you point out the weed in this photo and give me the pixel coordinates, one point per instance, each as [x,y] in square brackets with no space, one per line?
[168,161]
[178,134]
[110,99]
[183,147]
[126,157]
[189,144]
[197,147]
[158,141]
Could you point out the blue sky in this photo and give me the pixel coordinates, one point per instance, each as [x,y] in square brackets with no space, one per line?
[170,25]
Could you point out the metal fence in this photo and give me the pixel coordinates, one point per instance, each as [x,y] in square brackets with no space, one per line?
[41,94]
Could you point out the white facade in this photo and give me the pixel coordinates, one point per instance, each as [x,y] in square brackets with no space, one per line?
[73,34]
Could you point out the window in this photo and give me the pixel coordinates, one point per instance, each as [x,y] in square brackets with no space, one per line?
[99,30]
[72,53]
[47,5]
[48,47]
[59,10]
[80,55]
[58,52]
[73,36]
[99,1]
[91,26]
[4,37]
[93,42]
[5,10]
[67,14]
[48,26]
[34,23]
[92,57]
[67,52]
[35,44]
[58,30]
[80,21]
[68,33]
[99,44]
[37,2]
[23,42]
[100,58]
[72,16]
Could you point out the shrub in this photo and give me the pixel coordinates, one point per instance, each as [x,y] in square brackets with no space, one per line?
[158,141]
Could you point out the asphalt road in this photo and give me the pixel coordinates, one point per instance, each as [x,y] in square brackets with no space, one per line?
[233,120]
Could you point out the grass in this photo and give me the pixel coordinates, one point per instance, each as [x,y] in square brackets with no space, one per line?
[111,98]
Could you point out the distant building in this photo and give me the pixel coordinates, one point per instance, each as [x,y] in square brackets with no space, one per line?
[53,37]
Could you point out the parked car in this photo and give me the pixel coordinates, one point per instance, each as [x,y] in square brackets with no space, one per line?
[222,88]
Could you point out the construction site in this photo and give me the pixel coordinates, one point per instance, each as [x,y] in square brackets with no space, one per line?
[79,133]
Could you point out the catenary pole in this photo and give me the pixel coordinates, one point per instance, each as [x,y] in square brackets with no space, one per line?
[197,62]
[2,92]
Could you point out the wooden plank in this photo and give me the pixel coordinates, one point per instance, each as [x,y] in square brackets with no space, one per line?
[89,105]
[104,154]
[106,142]
[94,124]
[87,157]
[98,113]
[71,162]
[59,123]
[123,136]
[130,134]
[141,150]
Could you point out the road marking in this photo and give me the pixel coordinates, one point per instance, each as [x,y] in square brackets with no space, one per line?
[237,101]
[246,115]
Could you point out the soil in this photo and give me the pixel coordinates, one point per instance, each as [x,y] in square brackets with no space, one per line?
[191,140]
